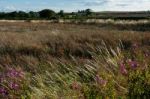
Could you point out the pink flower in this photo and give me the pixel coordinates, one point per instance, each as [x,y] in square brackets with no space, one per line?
[100,80]
[123,70]
[3,91]
[14,73]
[13,85]
[133,64]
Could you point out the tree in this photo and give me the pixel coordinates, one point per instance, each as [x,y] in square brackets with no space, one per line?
[88,12]
[47,13]
[13,14]
[33,14]
[22,15]
[61,13]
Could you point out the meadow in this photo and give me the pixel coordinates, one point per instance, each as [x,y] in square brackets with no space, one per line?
[45,60]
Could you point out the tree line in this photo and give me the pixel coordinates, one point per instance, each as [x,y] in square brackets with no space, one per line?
[45,14]
[48,14]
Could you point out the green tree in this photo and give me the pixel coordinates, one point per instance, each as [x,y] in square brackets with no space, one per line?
[47,13]
[13,14]
[88,12]
[61,13]
[33,15]
[22,15]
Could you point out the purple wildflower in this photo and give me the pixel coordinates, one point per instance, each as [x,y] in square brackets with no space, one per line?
[133,64]
[14,73]
[3,91]
[123,70]
[13,85]
[100,80]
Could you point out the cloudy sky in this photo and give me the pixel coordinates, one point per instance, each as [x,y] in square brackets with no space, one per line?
[74,5]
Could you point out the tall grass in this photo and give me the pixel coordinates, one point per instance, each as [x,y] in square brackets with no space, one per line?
[52,61]
[112,73]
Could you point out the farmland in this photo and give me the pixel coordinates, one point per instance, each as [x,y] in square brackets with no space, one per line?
[44,60]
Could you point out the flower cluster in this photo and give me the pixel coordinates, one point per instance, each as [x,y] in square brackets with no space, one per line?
[11,81]
[100,81]
[133,64]
[3,91]
[15,73]
[123,69]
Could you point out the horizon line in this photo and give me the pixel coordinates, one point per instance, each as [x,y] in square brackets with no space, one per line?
[77,10]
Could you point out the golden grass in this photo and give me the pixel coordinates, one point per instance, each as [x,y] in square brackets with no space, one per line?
[56,55]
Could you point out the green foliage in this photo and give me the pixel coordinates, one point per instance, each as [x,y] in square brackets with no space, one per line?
[139,84]
[81,14]
[61,14]
[33,15]
[47,14]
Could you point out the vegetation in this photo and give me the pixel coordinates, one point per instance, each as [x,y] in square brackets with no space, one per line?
[69,61]
[48,14]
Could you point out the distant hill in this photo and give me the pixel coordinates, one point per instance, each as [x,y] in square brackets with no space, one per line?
[123,15]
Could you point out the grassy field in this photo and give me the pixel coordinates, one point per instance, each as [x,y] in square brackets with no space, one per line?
[74,61]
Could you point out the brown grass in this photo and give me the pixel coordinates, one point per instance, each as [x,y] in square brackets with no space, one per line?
[32,42]
[54,56]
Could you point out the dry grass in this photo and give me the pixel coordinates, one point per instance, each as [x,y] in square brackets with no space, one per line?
[46,40]
[67,51]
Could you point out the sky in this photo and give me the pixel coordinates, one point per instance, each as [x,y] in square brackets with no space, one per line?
[75,5]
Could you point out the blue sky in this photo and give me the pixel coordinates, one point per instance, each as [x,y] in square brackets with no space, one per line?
[74,5]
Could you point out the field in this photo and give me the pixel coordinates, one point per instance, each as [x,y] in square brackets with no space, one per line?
[74,61]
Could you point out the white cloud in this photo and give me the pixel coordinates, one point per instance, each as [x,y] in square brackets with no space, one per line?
[74,5]
[118,5]
[8,8]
